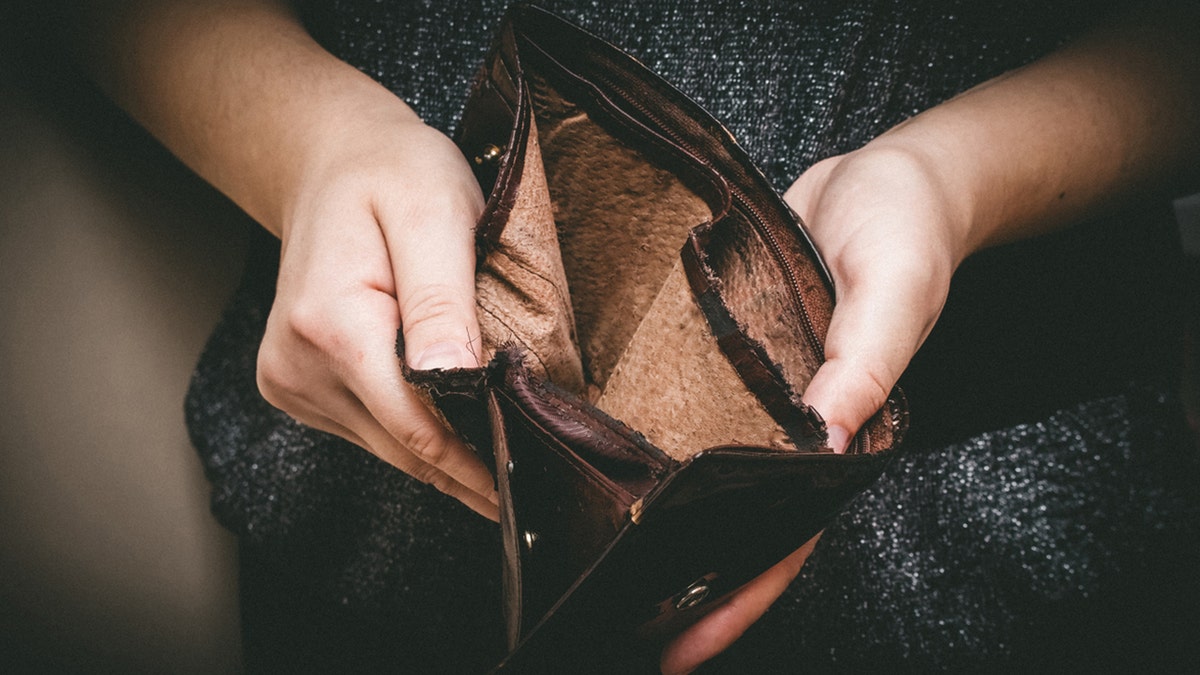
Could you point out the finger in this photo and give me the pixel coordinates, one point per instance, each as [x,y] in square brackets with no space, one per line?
[714,633]
[383,444]
[340,413]
[877,326]
[363,429]
[310,417]
[376,381]
[420,446]
[335,368]
[432,251]
[858,374]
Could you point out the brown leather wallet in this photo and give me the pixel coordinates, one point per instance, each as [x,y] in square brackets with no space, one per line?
[651,311]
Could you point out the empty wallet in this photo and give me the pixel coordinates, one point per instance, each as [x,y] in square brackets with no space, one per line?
[651,311]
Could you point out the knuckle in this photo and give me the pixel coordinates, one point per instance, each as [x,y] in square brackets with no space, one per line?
[310,323]
[430,305]
[273,377]
[426,474]
[439,205]
[323,334]
[877,388]
[431,300]
[427,443]
[873,389]
[442,483]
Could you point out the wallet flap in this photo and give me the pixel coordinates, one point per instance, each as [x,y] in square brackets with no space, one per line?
[710,526]
[576,473]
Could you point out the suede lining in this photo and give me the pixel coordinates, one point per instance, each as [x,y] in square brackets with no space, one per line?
[585,276]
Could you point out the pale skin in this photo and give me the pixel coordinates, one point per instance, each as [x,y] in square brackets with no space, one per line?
[375,211]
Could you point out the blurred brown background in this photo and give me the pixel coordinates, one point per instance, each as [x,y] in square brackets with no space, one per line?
[114,265]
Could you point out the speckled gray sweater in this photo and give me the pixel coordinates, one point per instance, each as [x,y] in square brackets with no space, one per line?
[1043,512]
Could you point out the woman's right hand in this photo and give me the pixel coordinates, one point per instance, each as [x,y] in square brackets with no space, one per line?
[378,237]
[375,211]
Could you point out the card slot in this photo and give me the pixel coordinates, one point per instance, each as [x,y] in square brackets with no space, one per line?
[621,218]
[521,285]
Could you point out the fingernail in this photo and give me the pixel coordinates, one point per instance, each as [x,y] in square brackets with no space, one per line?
[839,438]
[440,355]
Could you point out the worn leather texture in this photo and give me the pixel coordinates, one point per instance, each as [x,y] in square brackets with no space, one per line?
[651,312]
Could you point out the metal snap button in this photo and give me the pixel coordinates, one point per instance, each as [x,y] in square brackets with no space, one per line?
[490,154]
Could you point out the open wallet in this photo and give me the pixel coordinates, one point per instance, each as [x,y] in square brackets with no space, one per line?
[651,312]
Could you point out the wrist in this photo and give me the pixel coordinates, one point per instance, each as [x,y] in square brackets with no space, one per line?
[934,183]
[939,151]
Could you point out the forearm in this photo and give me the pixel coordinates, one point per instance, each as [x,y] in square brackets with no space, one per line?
[1052,142]
[241,93]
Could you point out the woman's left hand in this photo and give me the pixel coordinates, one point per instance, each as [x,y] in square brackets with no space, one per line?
[891,237]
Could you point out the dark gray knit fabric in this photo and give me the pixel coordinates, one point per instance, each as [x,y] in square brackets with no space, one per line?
[795,81]
[1044,513]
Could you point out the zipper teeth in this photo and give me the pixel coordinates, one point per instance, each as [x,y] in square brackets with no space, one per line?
[756,219]
[789,270]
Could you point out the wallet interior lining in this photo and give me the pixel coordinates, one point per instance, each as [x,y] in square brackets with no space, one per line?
[586,277]
[621,219]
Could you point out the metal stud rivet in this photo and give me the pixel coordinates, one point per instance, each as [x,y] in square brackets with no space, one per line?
[490,154]
[693,596]
[530,538]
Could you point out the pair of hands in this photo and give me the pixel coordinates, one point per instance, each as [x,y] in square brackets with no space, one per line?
[381,236]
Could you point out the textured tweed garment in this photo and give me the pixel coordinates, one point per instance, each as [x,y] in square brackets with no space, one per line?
[1041,514]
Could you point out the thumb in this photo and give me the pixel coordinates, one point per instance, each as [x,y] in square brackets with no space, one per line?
[871,339]
[434,267]
[846,394]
